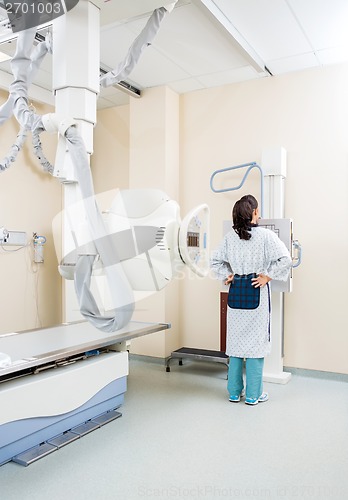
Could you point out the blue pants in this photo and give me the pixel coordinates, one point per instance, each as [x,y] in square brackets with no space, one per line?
[254,369]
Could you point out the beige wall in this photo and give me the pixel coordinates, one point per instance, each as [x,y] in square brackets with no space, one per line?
[110,160]
[306,113]
[137,146]
[29,199]
[154,163]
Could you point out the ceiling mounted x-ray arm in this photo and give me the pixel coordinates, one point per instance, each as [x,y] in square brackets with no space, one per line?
[216,15]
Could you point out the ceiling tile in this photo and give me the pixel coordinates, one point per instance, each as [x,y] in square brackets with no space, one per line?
[191,51]
[43,79]
[104,103]
[107,91]
[268,25]
[186,85]
[232,76]
[325,22]
[46,64]
[155,69]
[295,63]
[189,39]
[118,98]
[6,66]
[114,44]
[116,10]
[335,55]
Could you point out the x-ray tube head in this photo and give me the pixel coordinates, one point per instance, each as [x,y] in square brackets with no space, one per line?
[151,243]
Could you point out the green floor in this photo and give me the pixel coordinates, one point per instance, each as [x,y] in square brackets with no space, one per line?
[179,437]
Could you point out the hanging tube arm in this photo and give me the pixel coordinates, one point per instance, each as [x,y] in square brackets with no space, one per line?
[244,165]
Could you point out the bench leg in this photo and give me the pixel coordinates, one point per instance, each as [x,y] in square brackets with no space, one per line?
[168,363]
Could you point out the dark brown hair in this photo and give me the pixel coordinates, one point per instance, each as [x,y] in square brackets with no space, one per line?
[242,215]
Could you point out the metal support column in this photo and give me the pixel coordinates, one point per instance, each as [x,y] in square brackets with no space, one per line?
[274,167]
[76,40]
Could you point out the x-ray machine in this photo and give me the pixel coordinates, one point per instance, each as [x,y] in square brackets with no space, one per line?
[59,383]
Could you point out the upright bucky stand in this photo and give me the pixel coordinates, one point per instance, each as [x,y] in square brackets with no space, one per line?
[274,168]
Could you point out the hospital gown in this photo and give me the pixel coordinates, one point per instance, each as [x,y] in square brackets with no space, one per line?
[248,331]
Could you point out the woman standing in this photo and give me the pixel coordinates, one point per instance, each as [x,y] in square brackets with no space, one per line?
[245,250]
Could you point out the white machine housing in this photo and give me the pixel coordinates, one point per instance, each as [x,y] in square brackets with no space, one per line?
[152,241]
[283,229]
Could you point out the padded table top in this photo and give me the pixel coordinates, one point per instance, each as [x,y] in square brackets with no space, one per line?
[43,345]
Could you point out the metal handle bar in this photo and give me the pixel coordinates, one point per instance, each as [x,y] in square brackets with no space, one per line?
[244,165]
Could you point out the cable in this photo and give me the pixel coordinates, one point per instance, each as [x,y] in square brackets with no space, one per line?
[24,73]
[15,250]
[15,149]
[38,151]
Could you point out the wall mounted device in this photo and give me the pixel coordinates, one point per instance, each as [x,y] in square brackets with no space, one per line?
[38,242]
[12,238]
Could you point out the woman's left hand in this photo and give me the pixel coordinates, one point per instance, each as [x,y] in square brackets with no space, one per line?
[260,281]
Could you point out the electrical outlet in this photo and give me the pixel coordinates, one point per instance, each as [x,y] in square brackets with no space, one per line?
[15,238]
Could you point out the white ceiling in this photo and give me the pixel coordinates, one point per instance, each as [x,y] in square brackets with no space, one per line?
[206,43]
